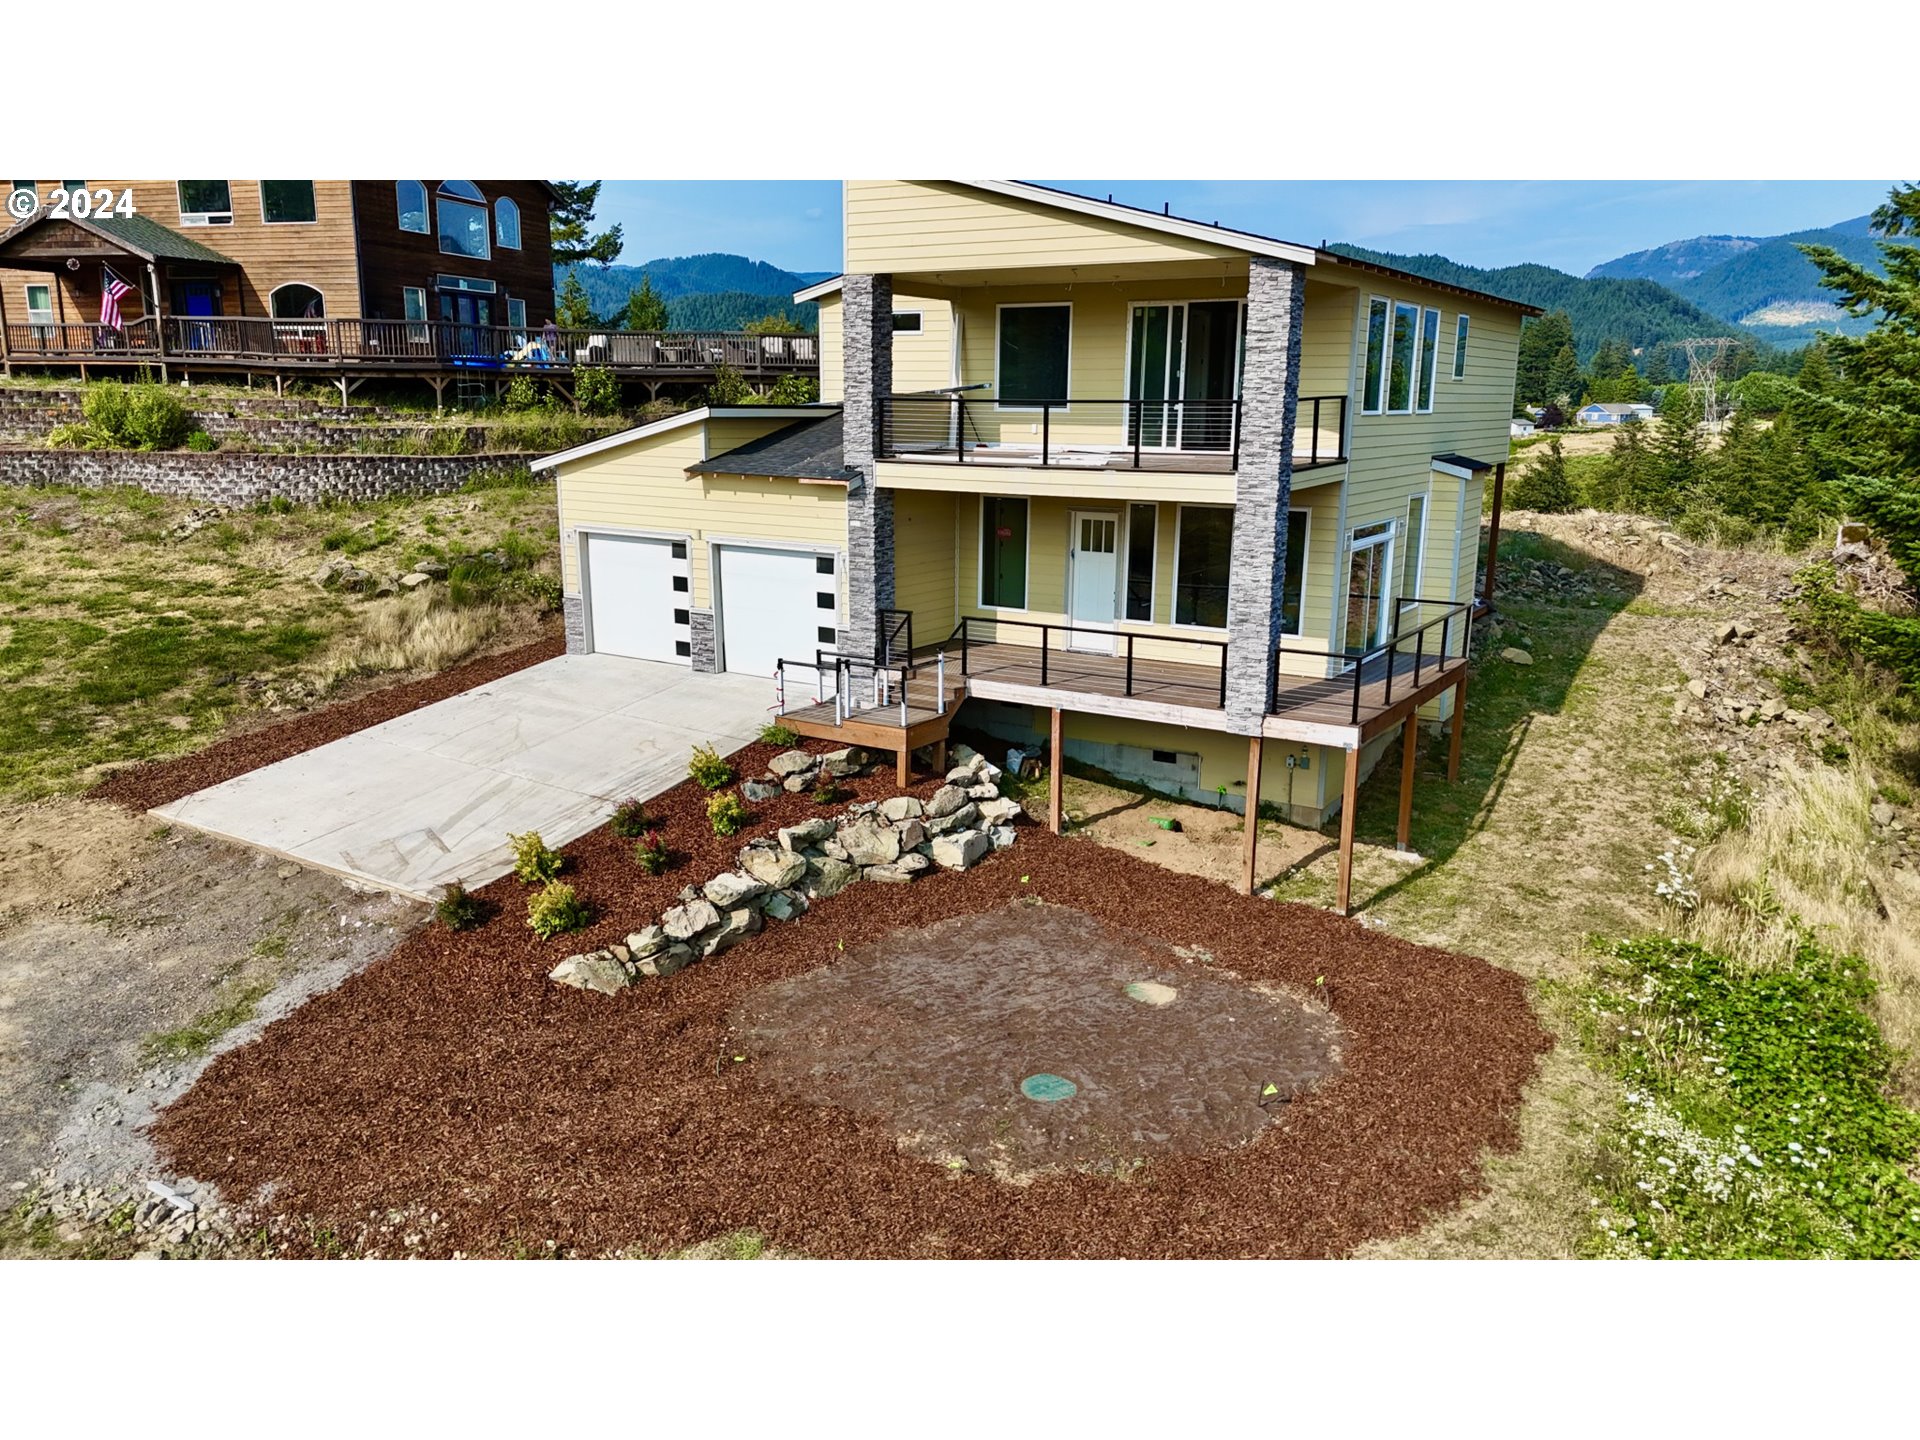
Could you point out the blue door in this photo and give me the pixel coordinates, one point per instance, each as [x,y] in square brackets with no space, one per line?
[195,298]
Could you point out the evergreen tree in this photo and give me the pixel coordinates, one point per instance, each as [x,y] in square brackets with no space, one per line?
[1564,380]
[646,309]
[572,221]
[1625,481]
[1540,342]
[1544,484]
[773,324]
[1659,366]
[574,311]
[1677,454]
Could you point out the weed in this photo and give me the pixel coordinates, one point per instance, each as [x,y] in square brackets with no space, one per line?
[556,910]
[707,769]
[778,734]
[650,853]
[533,862]
[196,1037]
[826,792]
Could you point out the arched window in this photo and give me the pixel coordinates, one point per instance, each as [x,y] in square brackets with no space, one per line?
[462,213]
[410,196]
[506,224]
[297,302]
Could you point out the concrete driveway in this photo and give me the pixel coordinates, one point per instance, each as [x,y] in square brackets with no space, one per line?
[413,803]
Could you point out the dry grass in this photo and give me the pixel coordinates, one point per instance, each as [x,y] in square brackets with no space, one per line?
[420,631]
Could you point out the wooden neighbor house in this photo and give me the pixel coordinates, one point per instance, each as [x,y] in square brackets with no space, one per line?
[432,279]
[1199,507]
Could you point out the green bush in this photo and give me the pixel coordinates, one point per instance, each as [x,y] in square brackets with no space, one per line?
[202,442]
[826,792]
[77,436]
[596,390]
[523,392]
[533,862]
[156,420]
[556,910]
[778,734]
[459,908]
[794,389]
[728,813]
[106,405]
[650,853]
[707,769]
[629,820]
[729,387]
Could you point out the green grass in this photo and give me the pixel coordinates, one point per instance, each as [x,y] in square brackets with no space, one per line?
[197,1036]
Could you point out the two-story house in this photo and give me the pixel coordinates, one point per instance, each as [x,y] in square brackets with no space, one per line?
[1197,506]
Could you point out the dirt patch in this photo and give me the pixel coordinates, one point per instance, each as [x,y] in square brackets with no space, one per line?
[941,1032]
[1208,842]
[452,1079]
[163,781]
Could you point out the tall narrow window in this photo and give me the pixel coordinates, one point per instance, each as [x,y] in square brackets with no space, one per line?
[410,200]
[462,216]
[1034,351]
[506,223]
[1142,521]
[1293,584]
[1373,395]
[517,314]
[1406,335]
[1460,348]
[1201,567]
[1429,355]
[1412,547]
[1003,553]
[287,202]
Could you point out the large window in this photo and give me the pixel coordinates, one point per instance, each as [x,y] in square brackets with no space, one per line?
[1397,357]
[1034,350]
[1413,547]
[1142,522]
[1003,553]
[297,302]
[1429,355]
[1370,395]
[410,199]
[1293,584]
[506,223]
[205,202]
[1460,348]
[1400,358]
[286,202]
[462,220]
[1202,563]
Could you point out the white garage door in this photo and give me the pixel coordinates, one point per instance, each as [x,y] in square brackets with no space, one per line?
[775,604]
[637,594]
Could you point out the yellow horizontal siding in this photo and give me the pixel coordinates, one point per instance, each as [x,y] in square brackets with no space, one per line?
[924,560]
[921,361]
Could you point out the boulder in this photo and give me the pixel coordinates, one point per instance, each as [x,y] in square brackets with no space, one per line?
[842,763]
[791,762]
[890,874]
[670,961]
[737,926]
[798,784]
[987,773]
[901,807]
[960,819]
[1001,836]
[730,888]
[912,863]
[328,573]
[596,970]
[807,832]
[912,834]
[1514,656]
[432,569]
[960,850]
[960,775]
[962,754]
[869,843]
[983,792]
[1882,813]
[1726,634]
[648,940]
[757,791]
[946,800]
[1772,709]
[773,867]
[783,904]
[827,876]
[685,921]
[1000,812]
[1697,689]
[414,579]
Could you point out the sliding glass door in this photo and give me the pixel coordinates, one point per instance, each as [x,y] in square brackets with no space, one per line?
[1184,361]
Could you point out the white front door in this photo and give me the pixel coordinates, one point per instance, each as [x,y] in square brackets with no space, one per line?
[1093,579]
[776,605]
[637,597]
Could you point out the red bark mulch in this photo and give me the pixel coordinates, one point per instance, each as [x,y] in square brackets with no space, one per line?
[161,782]
[453,1076]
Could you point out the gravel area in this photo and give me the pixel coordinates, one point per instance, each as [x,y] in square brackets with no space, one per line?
[161,782]
[452,1081]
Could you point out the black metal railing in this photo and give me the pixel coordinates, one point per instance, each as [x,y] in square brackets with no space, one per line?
[1124,651]
[1095,434]
[1379,662]
[894,636]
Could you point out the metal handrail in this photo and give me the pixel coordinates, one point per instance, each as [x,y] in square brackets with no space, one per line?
[1390,647]
[962,633]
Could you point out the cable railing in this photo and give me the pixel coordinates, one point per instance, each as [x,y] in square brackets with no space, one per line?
[1378,664]
[884,687]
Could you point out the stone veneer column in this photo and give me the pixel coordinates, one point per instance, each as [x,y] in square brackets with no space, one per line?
[866,317]
[574,608]
[1263,485]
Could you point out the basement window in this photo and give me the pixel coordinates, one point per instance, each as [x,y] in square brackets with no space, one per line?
[1165,757]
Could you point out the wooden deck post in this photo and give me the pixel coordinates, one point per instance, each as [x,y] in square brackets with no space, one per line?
[1409,756]
[905,762]
[1056,774]
[1250,843]
[1493,532]
[1459,726]
[6,355]
[1350,802]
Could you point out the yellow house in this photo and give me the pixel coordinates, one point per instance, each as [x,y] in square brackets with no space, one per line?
[1198,506]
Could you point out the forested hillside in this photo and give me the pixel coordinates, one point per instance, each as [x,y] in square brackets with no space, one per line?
[703,292]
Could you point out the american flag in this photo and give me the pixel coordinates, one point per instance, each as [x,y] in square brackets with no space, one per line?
[112,288]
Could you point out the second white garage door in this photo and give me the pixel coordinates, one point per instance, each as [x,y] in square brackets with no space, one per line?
[775,604]
[637,597]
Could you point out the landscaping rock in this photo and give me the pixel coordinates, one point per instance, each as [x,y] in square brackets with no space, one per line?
[827,876]
[791,762]
[983,792]
[773,867]
[960,819]
[832,847]
[891,874]
[807,832]
[962,754]
[648,940]
[912,834]
[1726,634]
[901,807]
[1697,689]
[960,775]
[1516,656]
[842,763]
[738,925]
[414,579]
[596,970]
[670,961]
[432,569]
[1001,836]
[757,791]
[798,784]
[1000,812]
[730,889]
[1772,709]
[946,800]
[869,843]
[784,904]
[685,921]
[961,850]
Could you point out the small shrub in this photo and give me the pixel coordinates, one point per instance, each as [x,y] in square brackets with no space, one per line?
[650,853]
[597,390]
[778,734]
[79,436]
[459,908]
[201,442]
[522,393]
[826,792]
[630,820]
[106,405]
[557,910]
[728,813]
[533,862]
[707,769]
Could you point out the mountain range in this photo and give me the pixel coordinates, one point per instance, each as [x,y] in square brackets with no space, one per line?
[703,292]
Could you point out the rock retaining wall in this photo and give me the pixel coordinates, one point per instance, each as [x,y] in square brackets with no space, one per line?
[890,842]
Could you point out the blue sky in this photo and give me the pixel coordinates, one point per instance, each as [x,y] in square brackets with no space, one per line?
[1572,225]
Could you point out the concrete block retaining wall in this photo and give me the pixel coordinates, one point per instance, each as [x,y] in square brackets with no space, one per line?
[244,478]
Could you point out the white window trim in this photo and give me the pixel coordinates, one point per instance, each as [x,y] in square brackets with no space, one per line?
[289,319]
[426,209]
[405,291]
[1173,595]
[261,185]
[980,560]
[1425,497]
[1462,338]
[1419,356]
[1066,305]
[921,329]
[201,217]
[1371,404]
[1126,566]
[498,240]
[1413,369]
[48,311]
[1382,534]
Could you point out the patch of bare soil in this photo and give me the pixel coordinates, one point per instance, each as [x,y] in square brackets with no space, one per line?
[1207,842]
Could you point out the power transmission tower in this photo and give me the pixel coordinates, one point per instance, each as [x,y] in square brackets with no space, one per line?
[1703,372]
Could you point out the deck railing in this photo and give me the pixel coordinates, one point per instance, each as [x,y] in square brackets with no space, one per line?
[1389,650]
[56,340]
[1094,434]
[964,635]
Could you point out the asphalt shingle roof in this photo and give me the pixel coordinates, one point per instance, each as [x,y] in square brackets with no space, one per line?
[804,450]
[139,235]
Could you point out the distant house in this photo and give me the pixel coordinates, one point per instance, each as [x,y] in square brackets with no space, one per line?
[1519,429]
[1611,413]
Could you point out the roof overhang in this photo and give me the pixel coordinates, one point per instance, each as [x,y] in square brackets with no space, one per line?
[1338,261]
[675,422]
[115,237]
[1164,224]
[1463,467]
